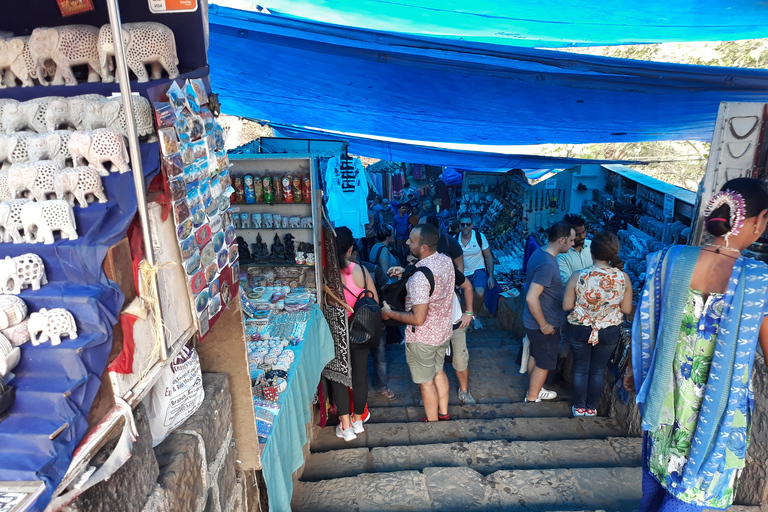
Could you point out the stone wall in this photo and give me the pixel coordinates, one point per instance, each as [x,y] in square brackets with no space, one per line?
[192,470]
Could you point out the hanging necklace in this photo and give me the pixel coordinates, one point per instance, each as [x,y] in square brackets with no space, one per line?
[723,247]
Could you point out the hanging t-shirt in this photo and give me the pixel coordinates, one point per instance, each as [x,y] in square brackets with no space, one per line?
[347,193]
[473,253]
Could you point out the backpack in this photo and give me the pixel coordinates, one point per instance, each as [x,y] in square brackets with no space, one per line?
[479,238]
[395,293]
[365,322]
[375,260]
[380,279]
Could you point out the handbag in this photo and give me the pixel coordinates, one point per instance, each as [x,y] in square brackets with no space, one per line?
[456,312]
[365,322]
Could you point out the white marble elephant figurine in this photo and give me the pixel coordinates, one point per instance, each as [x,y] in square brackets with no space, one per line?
[145,43]
[35,177]
[24,68]
[63,113]
[67,46]
[10,50]
[51,324]
[41,219]
[20,272]
[79,182]
[10,220]
[7,144]
[98,146]
[18,116]
[49,146]
[142,112]
[5,190]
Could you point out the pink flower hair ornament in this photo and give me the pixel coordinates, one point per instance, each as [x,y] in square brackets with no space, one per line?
[737,210]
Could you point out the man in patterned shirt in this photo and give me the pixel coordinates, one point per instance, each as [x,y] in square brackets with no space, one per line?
[428,321]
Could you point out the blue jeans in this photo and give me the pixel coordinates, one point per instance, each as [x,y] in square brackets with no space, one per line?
[589,362]
[379,356]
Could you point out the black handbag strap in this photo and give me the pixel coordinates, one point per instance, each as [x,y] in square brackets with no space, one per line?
[365,290]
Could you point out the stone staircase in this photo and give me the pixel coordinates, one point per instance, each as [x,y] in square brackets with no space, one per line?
[501,454]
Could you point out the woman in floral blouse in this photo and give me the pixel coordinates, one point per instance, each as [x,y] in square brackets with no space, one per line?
[598,295]
[700,316]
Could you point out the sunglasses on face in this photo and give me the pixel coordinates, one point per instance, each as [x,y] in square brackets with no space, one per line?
[465,224]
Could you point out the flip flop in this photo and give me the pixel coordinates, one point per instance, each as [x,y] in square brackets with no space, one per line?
[387,393]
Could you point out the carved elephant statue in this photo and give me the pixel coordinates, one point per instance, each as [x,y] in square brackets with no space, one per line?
[63,113]
[67,46]
[10,50]
[22,271]
[18,116]
[49,146]
[24,68]
[9,356]
[7,144]
[99,146]
[79,182]
[142,112]
[145,43]
[5,190]
[36,177]
[99,114]
[51,324]
[41,219]
[10,220]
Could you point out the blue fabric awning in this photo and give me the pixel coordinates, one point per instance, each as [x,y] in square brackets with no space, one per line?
[476,161]
[537,23]
[304,73]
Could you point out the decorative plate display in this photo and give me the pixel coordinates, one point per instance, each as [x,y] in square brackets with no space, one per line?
[216,223]
[180,211]
[223,258]
[212,209]
[224,203]
[211,272]
[201,302]
[203,235]
[188,248]
[213,290]
[215,306]
[218,240]
[192,265]
[225,293]
[184,230]
[229,235]
[207,255]
[233,254]
[198,218]
[198,283]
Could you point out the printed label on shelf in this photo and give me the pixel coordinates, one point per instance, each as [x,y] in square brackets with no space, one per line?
[171,6]
[669,205]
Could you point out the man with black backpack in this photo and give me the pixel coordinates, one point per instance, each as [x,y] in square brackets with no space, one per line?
[428,320]
[478,261]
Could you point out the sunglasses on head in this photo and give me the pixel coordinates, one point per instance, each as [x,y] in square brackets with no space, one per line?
[465,224]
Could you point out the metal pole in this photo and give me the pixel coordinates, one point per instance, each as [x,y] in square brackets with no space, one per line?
[121,68]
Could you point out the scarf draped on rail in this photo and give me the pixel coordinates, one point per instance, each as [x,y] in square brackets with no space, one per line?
[654,337]
[338,369]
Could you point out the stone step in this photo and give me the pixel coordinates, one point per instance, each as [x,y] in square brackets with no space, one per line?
[486,411]
[515,429]
[485,457]
[464,489]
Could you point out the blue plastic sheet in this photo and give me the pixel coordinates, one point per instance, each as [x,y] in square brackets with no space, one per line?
[537,23]
[56,385]
[308,74]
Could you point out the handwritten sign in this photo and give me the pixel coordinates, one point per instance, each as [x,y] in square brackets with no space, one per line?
[172,6]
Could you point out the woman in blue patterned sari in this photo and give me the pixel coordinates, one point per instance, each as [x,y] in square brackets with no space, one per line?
[696,328]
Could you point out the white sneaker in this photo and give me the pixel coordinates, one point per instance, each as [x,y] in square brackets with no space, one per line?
[347,435]
[544,394]
[357,427]
[466,398]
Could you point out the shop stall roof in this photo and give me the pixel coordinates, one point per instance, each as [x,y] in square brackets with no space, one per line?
[438,156]
[682,194]
[536,24]
[304,73]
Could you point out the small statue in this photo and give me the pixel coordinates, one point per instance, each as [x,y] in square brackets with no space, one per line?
[278,251]
[290,250]
[260,250]
[242,249]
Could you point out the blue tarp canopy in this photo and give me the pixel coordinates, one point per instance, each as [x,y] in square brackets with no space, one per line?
[476,161]
[537,23]
[304,73]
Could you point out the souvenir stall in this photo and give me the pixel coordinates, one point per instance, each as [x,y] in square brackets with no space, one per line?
[68,196]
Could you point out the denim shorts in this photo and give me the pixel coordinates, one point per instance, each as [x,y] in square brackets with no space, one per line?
[478,278]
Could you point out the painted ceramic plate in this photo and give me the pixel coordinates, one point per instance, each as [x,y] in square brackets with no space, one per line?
[207,255]
[225,295]
[229,235]
[233,254]
[184,230]
[218,241]
[211,272]
[203,235]
[188,248]
[223,258]
[213,290]
[223,203]
[215,306]
[198,219]
[192,265]
[212,209]
[216,223]
[201,302]
[197,283]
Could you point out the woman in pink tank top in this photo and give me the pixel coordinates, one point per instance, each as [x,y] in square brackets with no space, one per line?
[356,279]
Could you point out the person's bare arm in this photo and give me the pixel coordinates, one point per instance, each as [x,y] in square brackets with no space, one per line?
[467,315]
[489,267]
[763,339]
[569,298]
[534,305]
[416,316]
[626,302]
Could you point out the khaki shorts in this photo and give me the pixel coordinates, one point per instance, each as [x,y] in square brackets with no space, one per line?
[424,361]
[459,350]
